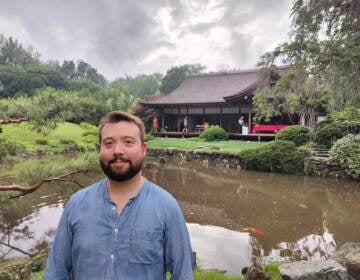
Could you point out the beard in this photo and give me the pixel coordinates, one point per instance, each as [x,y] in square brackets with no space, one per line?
[122,176]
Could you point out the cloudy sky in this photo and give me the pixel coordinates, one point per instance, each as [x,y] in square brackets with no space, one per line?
[121,37]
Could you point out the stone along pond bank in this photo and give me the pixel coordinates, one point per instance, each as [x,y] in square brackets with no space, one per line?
[343,265]
[313,166]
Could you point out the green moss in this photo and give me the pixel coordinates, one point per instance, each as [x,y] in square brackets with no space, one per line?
[273,270]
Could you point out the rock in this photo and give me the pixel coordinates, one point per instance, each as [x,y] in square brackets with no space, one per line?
[349,256]
[151,165]
[255,272]
[18,270]
[314,270]
[162,160]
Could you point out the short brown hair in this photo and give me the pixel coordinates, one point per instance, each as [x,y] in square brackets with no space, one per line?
[119,116]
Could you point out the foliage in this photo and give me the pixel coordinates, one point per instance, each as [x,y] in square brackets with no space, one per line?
[276,156]
[336,126]
[273,270]
[19,81]
[298,134]
[9,148]
[12,53]
[149,137]
[41,141]
[294,94]
[175,75]
[146,113]
[325,46]
[346,151]
[87,86]
[214,133]
[90,134]
[65,134]
[138,86]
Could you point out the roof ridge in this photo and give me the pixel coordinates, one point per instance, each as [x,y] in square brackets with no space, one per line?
[250,70]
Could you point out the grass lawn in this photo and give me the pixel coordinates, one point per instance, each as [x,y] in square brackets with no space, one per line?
[55,141]
[197,144]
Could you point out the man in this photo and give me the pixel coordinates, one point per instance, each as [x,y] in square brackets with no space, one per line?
[124,227]
[185,129]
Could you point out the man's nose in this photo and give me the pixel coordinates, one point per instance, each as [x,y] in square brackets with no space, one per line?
[119,149]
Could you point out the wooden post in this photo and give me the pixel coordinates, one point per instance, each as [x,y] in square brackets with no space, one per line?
[163,119]
[178,120]
[249,122]
[189,122]
[220,116]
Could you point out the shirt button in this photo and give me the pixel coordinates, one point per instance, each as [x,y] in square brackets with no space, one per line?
[113,208]
[112,257]
[116,230]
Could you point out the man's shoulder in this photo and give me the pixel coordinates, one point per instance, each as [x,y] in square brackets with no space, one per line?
[91,191]
[159,195]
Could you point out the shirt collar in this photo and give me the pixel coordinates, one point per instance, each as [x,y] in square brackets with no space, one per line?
[107,196]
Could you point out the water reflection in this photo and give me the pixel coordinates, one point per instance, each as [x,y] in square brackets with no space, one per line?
[298,217]
[220,248]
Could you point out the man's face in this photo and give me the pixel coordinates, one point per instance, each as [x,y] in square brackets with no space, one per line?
[121,151]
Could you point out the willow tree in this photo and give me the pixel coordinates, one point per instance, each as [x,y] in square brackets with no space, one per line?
[323,52]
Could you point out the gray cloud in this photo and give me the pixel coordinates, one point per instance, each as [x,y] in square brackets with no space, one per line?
[116,36]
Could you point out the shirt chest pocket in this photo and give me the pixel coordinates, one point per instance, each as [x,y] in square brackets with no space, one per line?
[146,247]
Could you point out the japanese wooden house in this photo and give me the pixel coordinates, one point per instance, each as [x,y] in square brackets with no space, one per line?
[218,99]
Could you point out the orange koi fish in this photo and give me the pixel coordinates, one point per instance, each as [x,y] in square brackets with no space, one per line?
[254,230]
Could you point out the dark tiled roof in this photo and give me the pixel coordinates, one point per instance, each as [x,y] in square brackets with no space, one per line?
[210,88]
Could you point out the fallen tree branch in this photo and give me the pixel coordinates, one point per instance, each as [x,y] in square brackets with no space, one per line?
[26,190]
[16,249]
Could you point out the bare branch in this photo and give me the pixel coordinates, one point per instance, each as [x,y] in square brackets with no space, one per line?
[16,249]
[26,190]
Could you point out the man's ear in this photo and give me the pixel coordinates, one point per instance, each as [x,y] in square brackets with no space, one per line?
[145,148]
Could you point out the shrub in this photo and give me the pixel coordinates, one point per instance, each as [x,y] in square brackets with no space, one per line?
[149,137]
[298,134]
[336,126]
[67,142]
[276,156]
[214,133]
[346,152]
[41,141]
[10,148]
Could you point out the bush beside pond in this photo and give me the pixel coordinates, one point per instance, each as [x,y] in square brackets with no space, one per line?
[336,126]
[298,134]
[214,133]
[346,152]
[276,156]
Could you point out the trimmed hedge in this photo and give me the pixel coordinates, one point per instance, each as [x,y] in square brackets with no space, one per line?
[298,134]
[276,156]
[214,133]
[346,152]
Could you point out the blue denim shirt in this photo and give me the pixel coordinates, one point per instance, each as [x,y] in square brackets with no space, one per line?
[147,239]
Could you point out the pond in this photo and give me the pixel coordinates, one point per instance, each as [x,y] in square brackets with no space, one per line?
[233,216]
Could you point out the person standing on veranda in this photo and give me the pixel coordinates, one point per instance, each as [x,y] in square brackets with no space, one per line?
[122,227]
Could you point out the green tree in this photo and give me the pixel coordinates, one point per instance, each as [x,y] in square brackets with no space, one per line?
[139,86]
[175,75]
[68,68]
[12,53]
[324,47]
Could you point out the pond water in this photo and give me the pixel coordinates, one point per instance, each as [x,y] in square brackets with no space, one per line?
[233,216]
